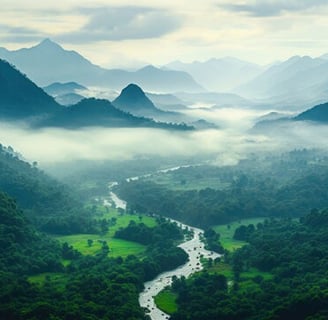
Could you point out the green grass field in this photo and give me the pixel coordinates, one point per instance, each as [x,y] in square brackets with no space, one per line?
[226,270]
[166,301]
[227,231]
[57,279]
[117,247]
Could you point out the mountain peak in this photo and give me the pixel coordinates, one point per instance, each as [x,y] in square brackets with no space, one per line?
[148,68]
[132,91]
[48,44]
[132,98]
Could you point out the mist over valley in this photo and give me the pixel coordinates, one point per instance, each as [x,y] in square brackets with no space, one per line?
[163,162]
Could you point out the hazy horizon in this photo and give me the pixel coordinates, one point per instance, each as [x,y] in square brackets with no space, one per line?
[125,34]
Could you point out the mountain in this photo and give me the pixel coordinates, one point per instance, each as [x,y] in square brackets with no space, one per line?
[159,80]
[318,113]
[66,93]
[298,81]
[69,99]
[93,112]
[132,99]
[100,112]
[219,74]
[48,62]
[58,88]
[167,101]
[20,97]
[279,122]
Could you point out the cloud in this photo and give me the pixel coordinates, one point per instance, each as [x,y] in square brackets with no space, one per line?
[55,145]
[228,146]
[123,23]
[20,34]
[269,8]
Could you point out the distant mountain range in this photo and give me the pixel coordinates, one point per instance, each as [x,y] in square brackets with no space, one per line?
[66,93]
[279,123]
[299,81]
[48,62]
[21,99]
[58,88]
[100,112]
[221,75]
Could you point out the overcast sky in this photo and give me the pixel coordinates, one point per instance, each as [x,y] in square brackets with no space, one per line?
[121,33]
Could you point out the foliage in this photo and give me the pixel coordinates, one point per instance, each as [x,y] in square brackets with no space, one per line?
[50,205]
[166,301]
[293,252]
[162,254]
[22,249]
[289,186]
[35,284]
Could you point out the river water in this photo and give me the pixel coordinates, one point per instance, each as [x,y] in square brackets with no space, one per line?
[194,248]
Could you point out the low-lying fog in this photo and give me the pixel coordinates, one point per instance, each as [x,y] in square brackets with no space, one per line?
[232,142]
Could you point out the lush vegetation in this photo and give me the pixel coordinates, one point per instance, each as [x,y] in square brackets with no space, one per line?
[166,301]
[227,231]
[294,253]
[287,186]
[162,254]
[16,90]
[51,206]
[43,279]
[22,249]
[96,263]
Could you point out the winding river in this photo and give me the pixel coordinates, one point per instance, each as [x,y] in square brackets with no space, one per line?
[194,248]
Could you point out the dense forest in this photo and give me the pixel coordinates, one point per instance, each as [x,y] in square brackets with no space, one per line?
[51,206]
[288,250]
[295,253]
[89,287]
[23,249]
[280,187]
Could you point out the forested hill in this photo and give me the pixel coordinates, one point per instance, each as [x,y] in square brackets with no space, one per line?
[51,206]
[23,100]
[20,97]
[22,248]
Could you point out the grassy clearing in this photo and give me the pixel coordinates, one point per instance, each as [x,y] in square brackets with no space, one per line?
[117,247]
[222,268]
[58,279]
[166,301]
[227,231]
[245,276]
